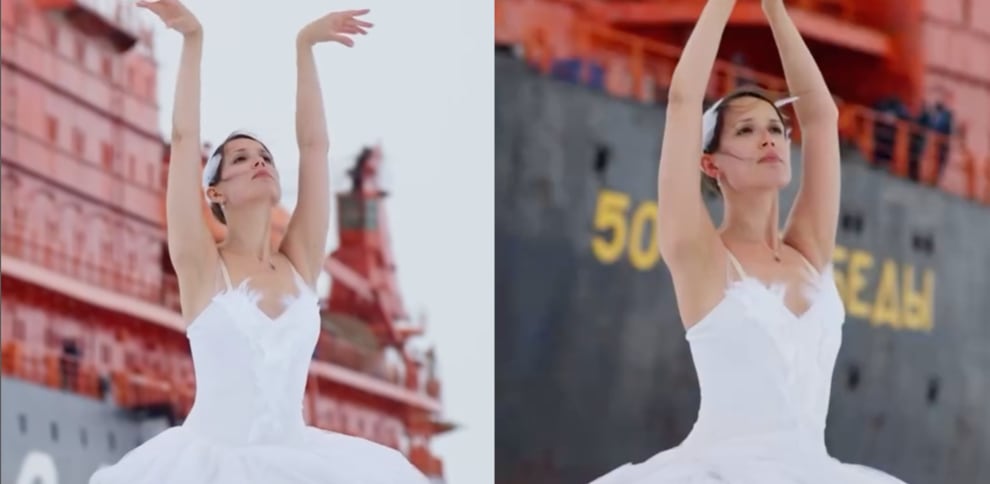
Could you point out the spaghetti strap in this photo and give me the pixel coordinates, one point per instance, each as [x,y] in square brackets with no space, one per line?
[296,276]
[735,263]
[808,264]
[223,270]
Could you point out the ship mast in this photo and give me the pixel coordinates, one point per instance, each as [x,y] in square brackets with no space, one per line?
[364,287]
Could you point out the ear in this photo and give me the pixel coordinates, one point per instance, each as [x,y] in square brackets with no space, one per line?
[214,195]
[708,165]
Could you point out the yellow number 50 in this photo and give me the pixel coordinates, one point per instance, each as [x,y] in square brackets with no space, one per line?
[611,219]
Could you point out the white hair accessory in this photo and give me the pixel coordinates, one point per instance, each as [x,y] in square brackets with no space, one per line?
[213,164]
[710,118]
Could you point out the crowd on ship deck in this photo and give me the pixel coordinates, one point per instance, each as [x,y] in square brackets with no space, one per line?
[933,125]
[934,117]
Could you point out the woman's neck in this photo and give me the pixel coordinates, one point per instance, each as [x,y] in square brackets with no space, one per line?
[753,218]
[249,232]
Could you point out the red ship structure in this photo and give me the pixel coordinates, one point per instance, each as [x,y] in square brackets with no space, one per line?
[93,345]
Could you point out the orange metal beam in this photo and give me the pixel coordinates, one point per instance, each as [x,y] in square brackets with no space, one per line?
[825,28]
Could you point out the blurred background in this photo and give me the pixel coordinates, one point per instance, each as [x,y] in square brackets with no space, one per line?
[94,356]
[593,368]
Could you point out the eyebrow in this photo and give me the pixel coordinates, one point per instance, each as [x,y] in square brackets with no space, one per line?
[750,118]
[263,150]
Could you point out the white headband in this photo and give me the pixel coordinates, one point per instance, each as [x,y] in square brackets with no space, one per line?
[710,117]
[213,164]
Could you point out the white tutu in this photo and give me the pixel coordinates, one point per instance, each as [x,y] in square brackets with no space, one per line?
[246,425]
[765,375]
[179,456]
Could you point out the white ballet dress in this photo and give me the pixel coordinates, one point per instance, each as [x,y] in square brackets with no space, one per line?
[765,377]
[246,425]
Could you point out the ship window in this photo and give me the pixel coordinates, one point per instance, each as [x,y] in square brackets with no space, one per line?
[851,222]
[852,381]
[53,36]
[78,143]
[923,243]
[20,15]
[107,65]
[80,49]
[107,155]
[54,431]
[602,157]
[22,423]
[83,438]
[932,390]
[151,176]
[52,124]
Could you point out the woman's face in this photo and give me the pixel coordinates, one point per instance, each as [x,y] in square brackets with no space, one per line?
[248,173]
[754,150]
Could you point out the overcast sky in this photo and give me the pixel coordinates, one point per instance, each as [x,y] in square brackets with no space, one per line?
[421,83]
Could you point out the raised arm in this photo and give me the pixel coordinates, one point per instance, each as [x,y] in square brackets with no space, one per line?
[306,235]
[812,224]
[685,229]
[190,244]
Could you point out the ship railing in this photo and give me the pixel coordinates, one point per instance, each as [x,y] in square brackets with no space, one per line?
[373,362]
[128,388]
[134,390]
[847,10]
[51,253]
[629,66]
[915,152]
[50,368]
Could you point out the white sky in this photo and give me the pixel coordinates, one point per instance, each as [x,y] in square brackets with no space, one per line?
[421,83]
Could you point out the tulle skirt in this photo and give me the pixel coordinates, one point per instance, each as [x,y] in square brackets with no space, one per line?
[180,456]
[758,461]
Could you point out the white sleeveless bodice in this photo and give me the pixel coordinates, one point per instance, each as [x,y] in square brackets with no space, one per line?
[251,369]
[763,370]
[765,376]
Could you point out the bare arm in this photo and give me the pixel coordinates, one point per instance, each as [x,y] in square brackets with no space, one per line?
[684,225]
[306,235]
[811,225]
[190,244]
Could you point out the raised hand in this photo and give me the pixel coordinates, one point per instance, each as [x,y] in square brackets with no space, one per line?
[335,27]
[175,15]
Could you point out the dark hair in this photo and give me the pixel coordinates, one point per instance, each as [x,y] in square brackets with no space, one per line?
[218,175]
[708,184]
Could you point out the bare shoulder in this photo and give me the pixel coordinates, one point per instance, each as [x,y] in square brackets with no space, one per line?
[699,277]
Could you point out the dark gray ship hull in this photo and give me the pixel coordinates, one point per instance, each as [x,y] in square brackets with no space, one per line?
[593,369]
[53,437]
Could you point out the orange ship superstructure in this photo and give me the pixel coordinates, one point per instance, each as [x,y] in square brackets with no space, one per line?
[89,299]
[917,52]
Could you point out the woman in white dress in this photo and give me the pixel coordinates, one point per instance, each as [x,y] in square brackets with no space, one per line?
[762,314]
[252,312]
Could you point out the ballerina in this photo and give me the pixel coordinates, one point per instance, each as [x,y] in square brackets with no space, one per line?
[762,314]
[252,311]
